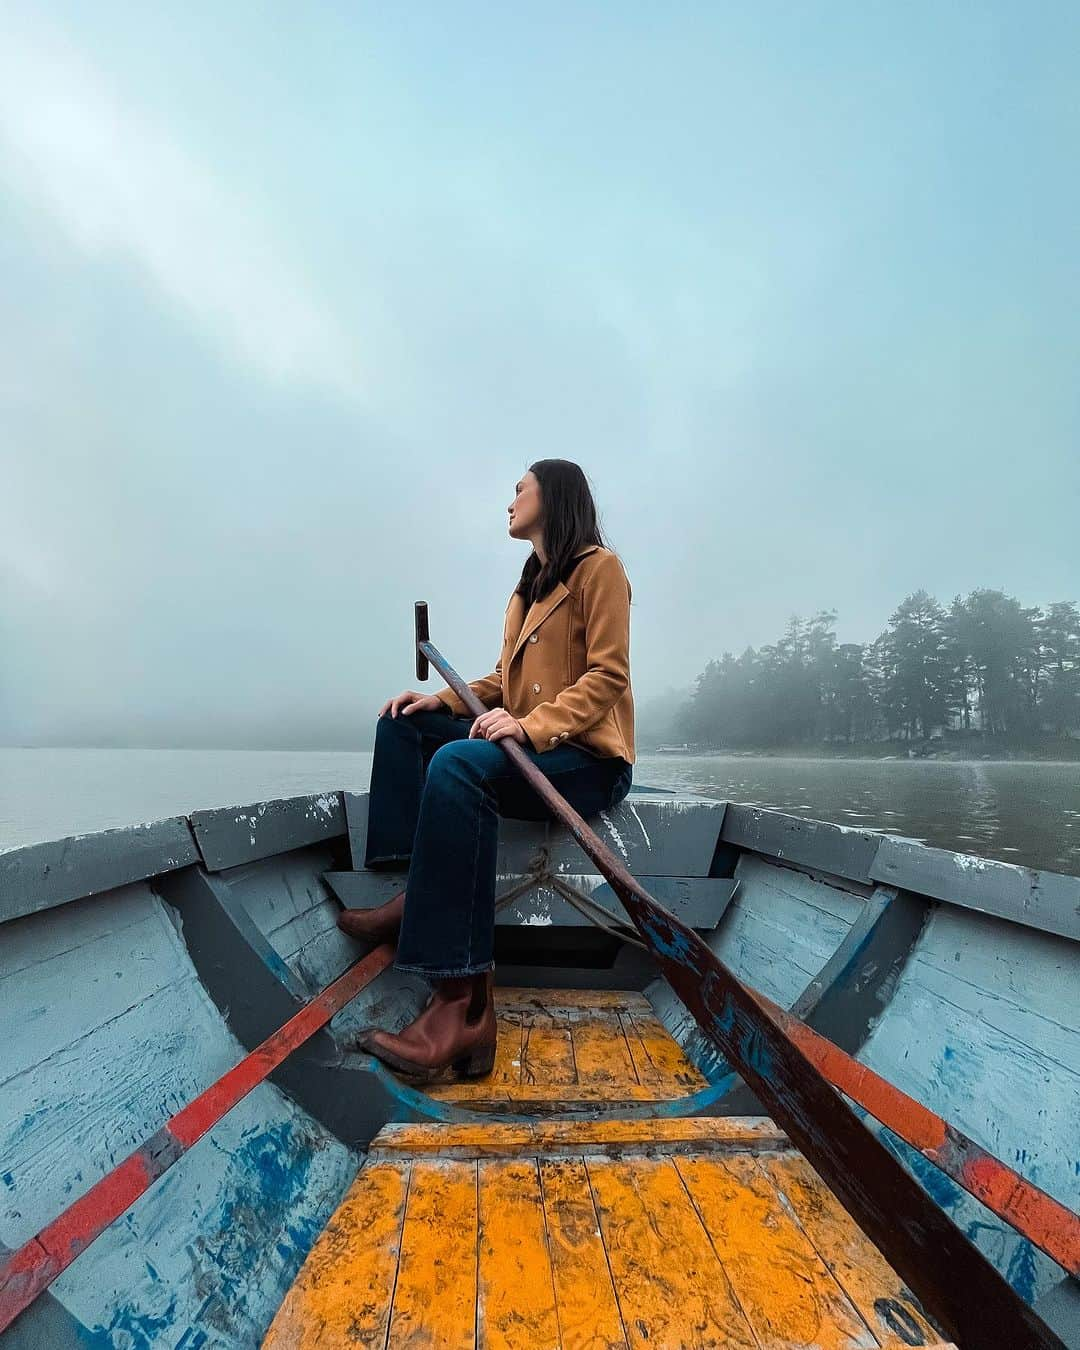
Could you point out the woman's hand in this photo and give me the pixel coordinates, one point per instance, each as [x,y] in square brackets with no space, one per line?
[410,701]
[496,724]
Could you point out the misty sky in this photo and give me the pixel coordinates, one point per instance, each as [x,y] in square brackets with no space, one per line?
[291,295]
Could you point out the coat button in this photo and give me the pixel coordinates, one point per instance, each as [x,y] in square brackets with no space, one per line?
[554,740]
[536,688]
[563,736]
[533,638]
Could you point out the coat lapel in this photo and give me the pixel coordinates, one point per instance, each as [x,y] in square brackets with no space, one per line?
[540,611]
[538,614]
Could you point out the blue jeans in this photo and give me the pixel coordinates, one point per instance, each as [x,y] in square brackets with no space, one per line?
[435,802]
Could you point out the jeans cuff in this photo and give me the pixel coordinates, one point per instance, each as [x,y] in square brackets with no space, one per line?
[444,972]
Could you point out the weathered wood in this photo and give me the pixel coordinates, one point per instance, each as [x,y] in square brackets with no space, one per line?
[233,835]
[886,1304]
[658,836]
[434,1296]
[839,850]
[515,1293]
[672,1288]
[1048,901]
[598,1233]
[39,1261]
[545,999]
[345,1290]
[44,875]
[700,1134]
[847,997]
[656,833]
[785,1290]
[603,1048]
[981,1029]
[699,901]
[587,1303]
[782,927]
[1041,1218]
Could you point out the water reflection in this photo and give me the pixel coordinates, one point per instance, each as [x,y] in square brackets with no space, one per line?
[1026,813]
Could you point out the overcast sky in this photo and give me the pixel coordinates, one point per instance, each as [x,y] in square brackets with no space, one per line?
[291,295]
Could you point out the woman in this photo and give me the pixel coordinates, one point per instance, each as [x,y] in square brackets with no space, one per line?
[440,781]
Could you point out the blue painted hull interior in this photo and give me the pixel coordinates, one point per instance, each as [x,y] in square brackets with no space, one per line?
[137,966]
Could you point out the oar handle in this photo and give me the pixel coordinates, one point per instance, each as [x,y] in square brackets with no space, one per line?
[420,619]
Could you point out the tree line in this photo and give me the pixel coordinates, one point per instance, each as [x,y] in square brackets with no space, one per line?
[984,664]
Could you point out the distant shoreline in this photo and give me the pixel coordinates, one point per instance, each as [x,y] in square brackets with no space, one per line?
[878,752]
[847,752]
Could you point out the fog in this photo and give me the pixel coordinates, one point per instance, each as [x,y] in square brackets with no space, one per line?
[290,297]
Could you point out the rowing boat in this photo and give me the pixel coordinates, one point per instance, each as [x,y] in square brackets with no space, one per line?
[191,1155]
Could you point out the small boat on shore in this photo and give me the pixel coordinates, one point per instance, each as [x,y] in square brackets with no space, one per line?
[191,1155]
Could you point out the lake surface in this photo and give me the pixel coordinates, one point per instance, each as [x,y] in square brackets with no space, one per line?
[1022,812]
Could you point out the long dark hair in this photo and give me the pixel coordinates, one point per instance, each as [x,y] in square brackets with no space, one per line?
[570,524]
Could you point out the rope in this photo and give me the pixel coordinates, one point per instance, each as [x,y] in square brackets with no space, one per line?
[540,874]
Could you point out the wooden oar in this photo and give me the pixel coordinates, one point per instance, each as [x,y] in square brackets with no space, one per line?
[1043,1220]
[974,1304]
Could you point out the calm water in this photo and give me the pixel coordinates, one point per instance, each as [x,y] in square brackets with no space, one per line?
[1018,812]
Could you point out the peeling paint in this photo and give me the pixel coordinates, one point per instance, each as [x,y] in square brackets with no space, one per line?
[615,834]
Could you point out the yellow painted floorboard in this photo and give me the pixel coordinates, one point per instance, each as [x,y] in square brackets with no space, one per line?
[568,1046]
[587,1234]
[700,1237]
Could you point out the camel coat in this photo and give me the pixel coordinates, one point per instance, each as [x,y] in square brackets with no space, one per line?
[564,670]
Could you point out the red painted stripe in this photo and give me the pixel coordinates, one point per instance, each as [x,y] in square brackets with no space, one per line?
[37,1263]
[1046,1222]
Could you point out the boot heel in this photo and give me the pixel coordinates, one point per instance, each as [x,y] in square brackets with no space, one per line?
[476,1064]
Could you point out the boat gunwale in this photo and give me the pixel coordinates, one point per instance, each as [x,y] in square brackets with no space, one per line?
[40,876]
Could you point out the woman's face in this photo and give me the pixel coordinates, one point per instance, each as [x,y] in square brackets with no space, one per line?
[525,511]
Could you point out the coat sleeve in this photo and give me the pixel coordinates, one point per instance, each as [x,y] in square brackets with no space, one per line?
[605,601]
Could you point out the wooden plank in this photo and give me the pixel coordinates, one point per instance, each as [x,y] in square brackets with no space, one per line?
[233,835]
[344,1290]
[579,1046]
[435,1293]
[818,845]
[1048,901]
[588,1310]
[667,836]
[886,1304]
[782,927]
[671,1288]
[547,1050]
[670,1072]
[700,902]
[478,1139]
[550,1000]
[506,1071]
[364,890]
[601,1054]
[54,873]
[515,1305]
[545,1095]
[785,1290]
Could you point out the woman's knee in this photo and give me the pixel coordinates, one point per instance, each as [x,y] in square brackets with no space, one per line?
[469,759]
[386,724]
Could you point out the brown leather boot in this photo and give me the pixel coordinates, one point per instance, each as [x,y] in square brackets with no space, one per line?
[457,1027]
[381,924]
